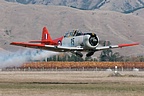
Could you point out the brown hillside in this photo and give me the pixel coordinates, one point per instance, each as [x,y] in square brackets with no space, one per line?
[25,22]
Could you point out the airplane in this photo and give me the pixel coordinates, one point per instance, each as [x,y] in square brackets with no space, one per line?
[74,41]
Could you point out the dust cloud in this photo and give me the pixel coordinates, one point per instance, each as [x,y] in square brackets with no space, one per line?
[16,59]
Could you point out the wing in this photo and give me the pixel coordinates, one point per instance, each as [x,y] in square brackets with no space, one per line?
[67,49]
[47,47]
[115,46]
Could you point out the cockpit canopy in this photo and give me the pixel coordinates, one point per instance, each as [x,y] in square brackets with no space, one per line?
[73,33]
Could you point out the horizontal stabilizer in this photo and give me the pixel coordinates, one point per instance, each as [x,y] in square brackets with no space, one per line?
[27,44]
[38,41]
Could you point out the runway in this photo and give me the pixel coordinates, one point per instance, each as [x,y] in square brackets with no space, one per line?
[71,83]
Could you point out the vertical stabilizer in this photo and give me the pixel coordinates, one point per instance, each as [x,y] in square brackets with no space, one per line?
[45,35]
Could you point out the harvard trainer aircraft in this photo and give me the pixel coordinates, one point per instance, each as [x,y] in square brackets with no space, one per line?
[74,42]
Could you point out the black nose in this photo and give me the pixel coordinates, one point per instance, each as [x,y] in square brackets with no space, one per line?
[93,41]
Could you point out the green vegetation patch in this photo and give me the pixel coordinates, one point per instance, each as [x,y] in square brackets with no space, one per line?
[118,87]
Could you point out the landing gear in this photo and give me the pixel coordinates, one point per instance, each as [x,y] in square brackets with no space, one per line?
[89,54]
[79,54]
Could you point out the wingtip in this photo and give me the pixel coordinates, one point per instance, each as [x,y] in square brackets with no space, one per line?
[12,43]
[126,45]
[137,43]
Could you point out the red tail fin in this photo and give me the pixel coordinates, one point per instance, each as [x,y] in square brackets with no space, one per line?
[46,38]
[45,35]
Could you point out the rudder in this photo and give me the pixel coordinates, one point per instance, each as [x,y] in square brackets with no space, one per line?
[45,35]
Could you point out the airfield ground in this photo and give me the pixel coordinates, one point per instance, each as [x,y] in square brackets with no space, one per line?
[71,83]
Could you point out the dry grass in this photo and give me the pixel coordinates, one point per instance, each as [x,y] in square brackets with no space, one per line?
[77,83]
[83,65]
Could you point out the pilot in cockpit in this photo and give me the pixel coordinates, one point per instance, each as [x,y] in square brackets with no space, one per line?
[75,32]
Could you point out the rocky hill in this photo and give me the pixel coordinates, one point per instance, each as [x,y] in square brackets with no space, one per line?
[21,22]
[125,6]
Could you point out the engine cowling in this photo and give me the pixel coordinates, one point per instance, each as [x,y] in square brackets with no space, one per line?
[91,41]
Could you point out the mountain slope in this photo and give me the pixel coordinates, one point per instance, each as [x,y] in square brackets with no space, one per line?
[125,6]
[25,22]
[139,13]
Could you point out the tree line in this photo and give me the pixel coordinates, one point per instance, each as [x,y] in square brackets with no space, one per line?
[113,57]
